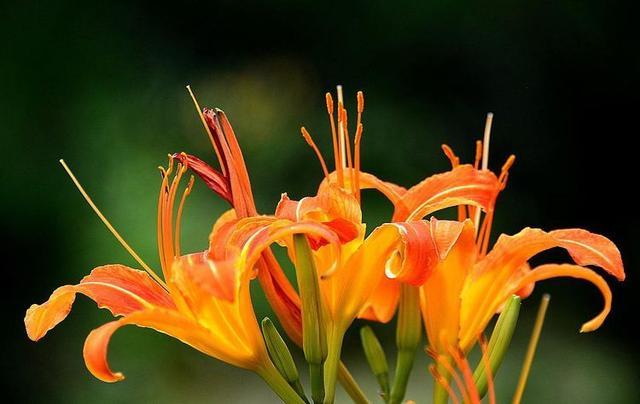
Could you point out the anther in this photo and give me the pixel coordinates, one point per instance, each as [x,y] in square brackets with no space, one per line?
[329,102]
[360,97]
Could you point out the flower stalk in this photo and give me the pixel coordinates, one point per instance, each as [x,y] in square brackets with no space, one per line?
[498,344]
[377,360]
[408,335]
[281,357]
[278,384]
[314,339]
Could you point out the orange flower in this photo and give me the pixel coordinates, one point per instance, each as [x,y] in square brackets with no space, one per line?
[405,250]
[467,288]
[232,184]
[204,303]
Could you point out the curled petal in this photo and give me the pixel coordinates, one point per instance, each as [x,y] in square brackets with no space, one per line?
[480,186]
[332,207]
[423,245]
[405,252]
[510,252]
[549,271]
[120,289]
[588,248]
[169,322]
[282,231]
[415,255]
[503,269]
[95,352]
[214,179]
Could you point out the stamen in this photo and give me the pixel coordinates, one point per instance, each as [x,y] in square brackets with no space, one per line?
[455,161]
[485,143]
[334,138]
[345,130]
[483,242]
[444,383]
[504,174]
[444,362]
[360,97]
[485,160]
[349,162]
[487,369]
[186,193]
[463,365]
[110,227]
[206,127]
[341,139]
[531,349]
[356,163]
[310,142]
[476,162]
[485,232]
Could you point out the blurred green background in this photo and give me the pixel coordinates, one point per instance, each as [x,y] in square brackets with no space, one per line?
[101,84]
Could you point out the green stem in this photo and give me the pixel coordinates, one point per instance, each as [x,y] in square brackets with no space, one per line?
[408,336]
[316,377]
[404,364]
[351,386]
[278,384]
[440,394]
[331,364]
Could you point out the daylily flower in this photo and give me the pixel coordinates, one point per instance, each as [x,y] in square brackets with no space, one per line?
[232,184]
[405,250]
[466,289]
[203,302]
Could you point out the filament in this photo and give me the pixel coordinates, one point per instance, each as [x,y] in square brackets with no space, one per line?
[185,194]
[110,227]
[310,142]
[356,157]
[334,138]
[444,383]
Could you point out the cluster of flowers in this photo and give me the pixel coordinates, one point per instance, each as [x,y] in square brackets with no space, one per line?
[436,274]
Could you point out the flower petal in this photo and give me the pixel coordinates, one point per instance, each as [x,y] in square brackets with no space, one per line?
[120,289]
[383,302]
[464,181]
[169,322]
[591,249]
[213,179]
[390,190]
[440,294]
[549,271]
[502,270]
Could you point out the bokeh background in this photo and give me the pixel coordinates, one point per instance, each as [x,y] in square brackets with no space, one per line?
[101,84]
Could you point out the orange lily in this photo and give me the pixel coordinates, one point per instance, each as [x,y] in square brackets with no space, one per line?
[405,250]
[203,302]
[232,184]
[469,286]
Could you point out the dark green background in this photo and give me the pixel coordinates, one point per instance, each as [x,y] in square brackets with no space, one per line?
[101,84]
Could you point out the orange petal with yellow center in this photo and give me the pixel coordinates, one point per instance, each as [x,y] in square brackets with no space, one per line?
[169,322]
[120,289]
[440,294]
[502,270]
